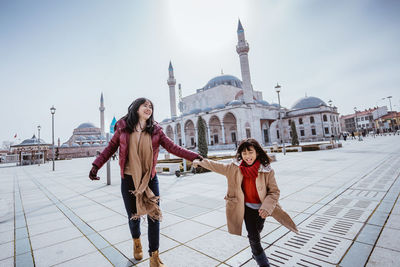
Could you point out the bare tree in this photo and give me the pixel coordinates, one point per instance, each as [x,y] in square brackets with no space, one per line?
[7,145]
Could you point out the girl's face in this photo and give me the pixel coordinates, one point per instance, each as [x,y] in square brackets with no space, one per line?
[145,110]
[249,156]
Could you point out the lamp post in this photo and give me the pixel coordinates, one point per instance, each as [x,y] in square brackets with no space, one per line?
[331,117]
[53,111]
[38,144]
[391,111]
[359,137]
[278,90]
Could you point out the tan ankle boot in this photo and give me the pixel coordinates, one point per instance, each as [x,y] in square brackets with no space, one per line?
[137,249]
[155,260]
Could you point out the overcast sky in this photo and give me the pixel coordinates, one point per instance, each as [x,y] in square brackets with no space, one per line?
[65,53]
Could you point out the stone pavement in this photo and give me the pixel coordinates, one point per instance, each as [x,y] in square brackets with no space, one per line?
[344,201]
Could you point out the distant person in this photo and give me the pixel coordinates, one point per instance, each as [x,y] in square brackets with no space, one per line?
[345,136]
[353,135]
[139,137]
[252,200]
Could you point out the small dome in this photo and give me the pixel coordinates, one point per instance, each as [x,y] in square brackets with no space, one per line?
[308,102]
[223,79]
[195,111]
[219,106]
[275,105]
[234,103]
[95,144]
[207,109]
[86,144]
[91,137]
[165,120]
[75,145]
[103,137]
[65,145]
[80,138]
[86,125]
[262,102]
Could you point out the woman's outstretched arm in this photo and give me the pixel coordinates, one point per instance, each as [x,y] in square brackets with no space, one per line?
[214,166]
[173,148]
[108,151]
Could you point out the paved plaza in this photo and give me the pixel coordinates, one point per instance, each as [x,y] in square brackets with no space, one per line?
[344,201]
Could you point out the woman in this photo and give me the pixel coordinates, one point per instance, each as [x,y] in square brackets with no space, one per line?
[138,137]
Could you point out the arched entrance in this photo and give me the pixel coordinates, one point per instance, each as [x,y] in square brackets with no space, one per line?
[230,128]
[190,134]
[215,130]
[179,134]
[170,132]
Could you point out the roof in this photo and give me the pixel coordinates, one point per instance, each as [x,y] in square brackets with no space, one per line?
[308,102]
[240,27]
[359,113]
[391,115]
[31,141]
[223,79]
[86,125]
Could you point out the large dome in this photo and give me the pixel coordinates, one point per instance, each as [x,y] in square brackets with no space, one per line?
[223,79]
[86,125]
[308,102]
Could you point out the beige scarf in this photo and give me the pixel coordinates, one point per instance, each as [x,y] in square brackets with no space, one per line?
[140,165]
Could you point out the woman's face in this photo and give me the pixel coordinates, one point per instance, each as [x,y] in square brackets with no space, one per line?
[145,110]
[249,156]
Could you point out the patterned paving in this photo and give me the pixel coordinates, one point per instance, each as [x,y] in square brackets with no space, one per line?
[343,201]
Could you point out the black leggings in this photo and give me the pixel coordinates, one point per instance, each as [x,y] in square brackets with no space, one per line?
[130,206]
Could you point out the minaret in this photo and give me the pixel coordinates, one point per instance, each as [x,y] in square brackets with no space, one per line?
[242,49]
[102,108]
[171,83]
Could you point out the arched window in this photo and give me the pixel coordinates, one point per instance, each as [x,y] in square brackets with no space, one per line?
[312,119]
[325,118]
[300,120]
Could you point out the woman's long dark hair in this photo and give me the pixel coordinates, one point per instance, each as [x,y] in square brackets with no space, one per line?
[250,142]
[132,118]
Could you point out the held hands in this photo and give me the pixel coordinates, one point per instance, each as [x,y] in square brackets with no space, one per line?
[93,174]
[263,213]
[195,163]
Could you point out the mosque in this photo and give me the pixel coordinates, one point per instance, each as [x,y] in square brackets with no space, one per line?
[233,110]
[87,140]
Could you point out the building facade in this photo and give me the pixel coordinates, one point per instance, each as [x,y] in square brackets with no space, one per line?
[31,151]
[233,110]
[367,120]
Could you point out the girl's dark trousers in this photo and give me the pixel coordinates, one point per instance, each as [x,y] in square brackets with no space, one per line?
[254,225]
[130,206]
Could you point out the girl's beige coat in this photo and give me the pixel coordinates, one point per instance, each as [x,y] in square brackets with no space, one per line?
[267,189]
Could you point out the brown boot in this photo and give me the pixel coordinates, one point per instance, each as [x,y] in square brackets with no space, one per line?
[155,260]
[137,249]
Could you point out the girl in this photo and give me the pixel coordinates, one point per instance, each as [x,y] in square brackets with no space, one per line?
[252,194]
[138,138]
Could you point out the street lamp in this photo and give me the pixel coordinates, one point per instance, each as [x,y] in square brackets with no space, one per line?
[391,111]
[38,144]
[53,111]
[359,136]
[278,90]
[331,116]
